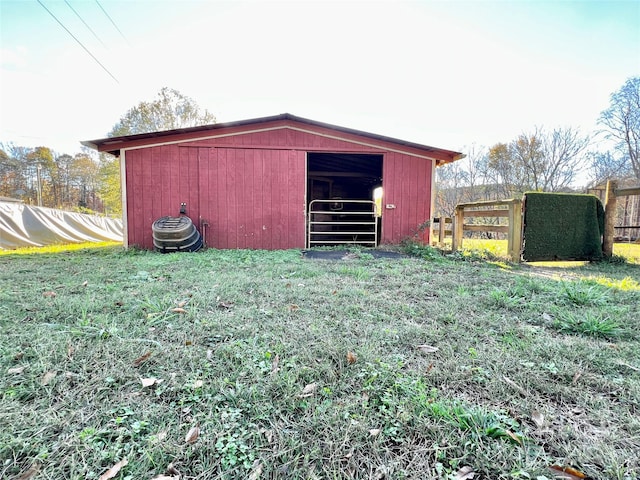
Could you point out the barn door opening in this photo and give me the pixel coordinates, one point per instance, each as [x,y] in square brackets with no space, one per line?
[344,199]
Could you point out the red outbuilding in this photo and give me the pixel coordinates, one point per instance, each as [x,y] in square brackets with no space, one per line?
[277,182]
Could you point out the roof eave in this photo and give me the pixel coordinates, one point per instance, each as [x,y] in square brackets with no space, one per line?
[113,145]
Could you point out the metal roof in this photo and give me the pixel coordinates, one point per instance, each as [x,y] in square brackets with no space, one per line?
[114,144]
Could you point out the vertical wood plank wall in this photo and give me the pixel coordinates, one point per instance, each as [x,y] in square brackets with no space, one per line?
[251,188]
[406,183]
[253,198]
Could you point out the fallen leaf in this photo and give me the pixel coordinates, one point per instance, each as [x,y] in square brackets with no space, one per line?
[166,477]
[256,470]
[182,303]
[85,283]
[427,348]
[113,471]
[225,305]
[513,436]
[140,360]
[429,368]
[70,351]
[274,364]
[351,358]
[308,390]
[18,356]
[465,473]
[172,470]
[567,473]
[635,369]
[576,377]
[47,377]
[198,384]
[29,474]
[515,385]
[374,432]
[293,307]
[49,294]
[209,354]
[537,418]
[192,435]
[546,317]
[149,382]
[178,310]
[16,370]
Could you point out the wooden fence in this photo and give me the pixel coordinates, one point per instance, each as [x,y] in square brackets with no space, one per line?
[610,203]
[442,229]
[510,209]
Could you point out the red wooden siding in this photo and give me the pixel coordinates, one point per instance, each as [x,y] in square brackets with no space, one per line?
[250,187]
[158,179]
[286,138]
[406,183]
[250,198]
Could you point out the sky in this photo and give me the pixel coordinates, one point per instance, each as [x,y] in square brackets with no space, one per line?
[449,74]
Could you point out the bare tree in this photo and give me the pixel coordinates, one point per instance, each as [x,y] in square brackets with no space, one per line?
[564,152]
[621,122]
[540,161]
[462,181]
[505,172]
[451,182]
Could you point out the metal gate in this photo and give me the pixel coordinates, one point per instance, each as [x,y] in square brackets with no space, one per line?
[342,222]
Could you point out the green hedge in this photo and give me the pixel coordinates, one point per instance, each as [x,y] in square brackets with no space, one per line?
[560,226]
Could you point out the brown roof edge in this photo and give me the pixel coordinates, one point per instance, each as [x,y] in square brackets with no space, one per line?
[113,144]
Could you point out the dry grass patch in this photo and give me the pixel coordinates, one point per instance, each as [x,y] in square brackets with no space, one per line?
[249,364]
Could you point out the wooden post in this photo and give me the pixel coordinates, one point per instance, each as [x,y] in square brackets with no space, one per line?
[457,229]
[443,227]
[609,218]
[514,243]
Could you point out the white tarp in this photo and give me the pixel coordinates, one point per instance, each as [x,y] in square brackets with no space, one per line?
[27,226]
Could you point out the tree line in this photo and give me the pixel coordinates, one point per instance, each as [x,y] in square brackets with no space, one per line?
[538,160]
[549,160]
[84,182]
[39,176]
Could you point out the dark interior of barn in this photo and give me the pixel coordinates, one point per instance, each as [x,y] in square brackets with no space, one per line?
[344,198]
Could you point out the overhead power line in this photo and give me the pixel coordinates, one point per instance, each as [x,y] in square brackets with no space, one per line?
[112,22]
[79,42]
[85,23]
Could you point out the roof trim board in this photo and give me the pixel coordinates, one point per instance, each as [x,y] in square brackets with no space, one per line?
[129,142]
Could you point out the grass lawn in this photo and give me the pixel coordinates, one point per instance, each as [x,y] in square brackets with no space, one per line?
[258,365]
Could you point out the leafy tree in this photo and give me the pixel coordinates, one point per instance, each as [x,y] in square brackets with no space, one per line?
[171,109]
[85,180]
[621,124]
[41,160]
[109,184]
[15,178]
